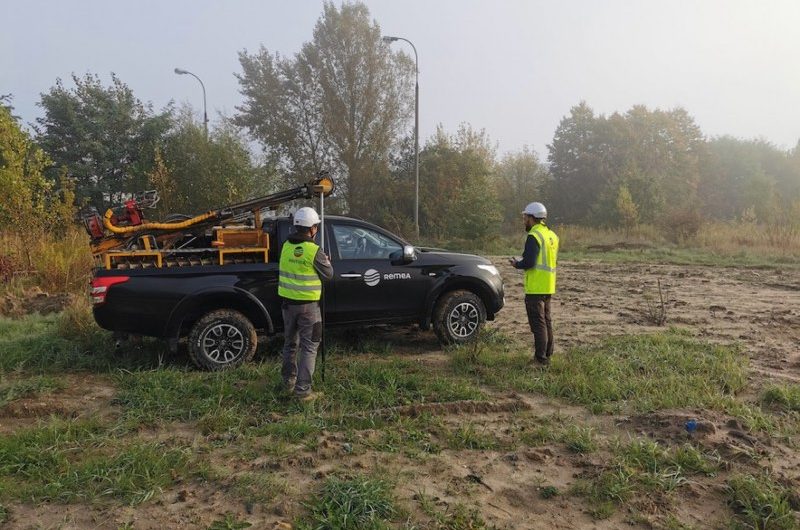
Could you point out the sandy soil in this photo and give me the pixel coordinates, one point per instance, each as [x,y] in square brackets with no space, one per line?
[759,309]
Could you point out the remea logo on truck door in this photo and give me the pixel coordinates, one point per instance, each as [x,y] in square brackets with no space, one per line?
[373,277]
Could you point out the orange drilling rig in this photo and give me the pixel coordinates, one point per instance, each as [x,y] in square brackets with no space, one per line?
[124,239]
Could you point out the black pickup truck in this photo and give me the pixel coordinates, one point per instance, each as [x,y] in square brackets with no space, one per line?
[378,279]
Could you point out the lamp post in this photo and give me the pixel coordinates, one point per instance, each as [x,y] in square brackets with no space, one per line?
[416,127]
[181,71]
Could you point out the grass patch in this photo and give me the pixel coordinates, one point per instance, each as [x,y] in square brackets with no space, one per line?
[74,461]
[638,373]
[358,503]
[579,439]
[34,344]
[456,516]
[782,397]
[644,467]
[468,436]
[411,436]
[248,397]
[13,389]
[760,503]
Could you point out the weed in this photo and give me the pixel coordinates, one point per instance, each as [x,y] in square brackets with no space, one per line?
[760,503]
[548,492]
[579,439]
[351,504]
[655,311]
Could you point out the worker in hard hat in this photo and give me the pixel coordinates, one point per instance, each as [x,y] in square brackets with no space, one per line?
[302,268]
[539,263]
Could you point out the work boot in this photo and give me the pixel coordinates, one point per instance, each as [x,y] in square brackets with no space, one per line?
[288,385]
[539,361]
[307,398]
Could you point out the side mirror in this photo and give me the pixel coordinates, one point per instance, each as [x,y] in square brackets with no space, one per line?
[404,256]
[409,254]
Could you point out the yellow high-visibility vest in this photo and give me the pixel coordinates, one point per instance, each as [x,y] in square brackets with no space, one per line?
[541,278]
[297,279]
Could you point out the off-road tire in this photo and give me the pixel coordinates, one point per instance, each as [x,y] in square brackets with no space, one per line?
[222,339]
[458,317]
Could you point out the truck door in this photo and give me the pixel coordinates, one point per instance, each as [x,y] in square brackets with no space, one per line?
[367,285]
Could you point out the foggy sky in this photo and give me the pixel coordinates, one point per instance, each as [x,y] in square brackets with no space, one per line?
[512,67]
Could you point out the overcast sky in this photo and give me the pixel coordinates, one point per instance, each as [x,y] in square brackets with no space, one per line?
[512,67]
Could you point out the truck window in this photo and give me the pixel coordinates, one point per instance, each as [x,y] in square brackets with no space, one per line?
[356,242]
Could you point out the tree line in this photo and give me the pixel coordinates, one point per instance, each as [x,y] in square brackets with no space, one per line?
[344,102]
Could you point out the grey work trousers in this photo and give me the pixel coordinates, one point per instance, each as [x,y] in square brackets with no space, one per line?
[303,323]
[539,318]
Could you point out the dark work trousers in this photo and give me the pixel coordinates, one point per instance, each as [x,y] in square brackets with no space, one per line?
[538,309]
[302,323]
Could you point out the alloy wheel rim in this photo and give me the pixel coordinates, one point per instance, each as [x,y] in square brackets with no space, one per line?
[222,343]
[463,320]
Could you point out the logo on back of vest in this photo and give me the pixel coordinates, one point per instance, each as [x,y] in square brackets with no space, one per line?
[298,251]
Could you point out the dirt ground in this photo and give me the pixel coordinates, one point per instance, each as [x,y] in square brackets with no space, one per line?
[759,309]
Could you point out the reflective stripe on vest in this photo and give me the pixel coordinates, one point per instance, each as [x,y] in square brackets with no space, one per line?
[541,278]
[297,279]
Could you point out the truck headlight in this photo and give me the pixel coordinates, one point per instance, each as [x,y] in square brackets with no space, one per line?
[491,269]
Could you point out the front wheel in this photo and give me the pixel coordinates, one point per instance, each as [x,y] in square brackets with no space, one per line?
[222,339]
[458,317]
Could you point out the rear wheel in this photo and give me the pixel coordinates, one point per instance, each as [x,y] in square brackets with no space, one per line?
[222,339]
[458,317]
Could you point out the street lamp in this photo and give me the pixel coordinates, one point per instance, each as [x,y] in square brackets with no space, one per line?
[416,127]
[181,71]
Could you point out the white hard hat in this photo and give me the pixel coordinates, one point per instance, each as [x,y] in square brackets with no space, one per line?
[536,209]
[306,217]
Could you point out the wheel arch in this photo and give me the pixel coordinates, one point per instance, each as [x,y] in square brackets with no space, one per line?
[456,284]
[192,307]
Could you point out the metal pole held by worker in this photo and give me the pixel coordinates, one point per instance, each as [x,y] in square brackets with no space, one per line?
[322,313]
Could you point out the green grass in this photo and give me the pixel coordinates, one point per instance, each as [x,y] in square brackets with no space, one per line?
[579,439]
[470,436]
[456,516]
[248,397]
[760,503]
[782,397]
[15,388]
[413,437]
[644,467]
[356,503]
[638,373]
[75,461]
[35,345]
